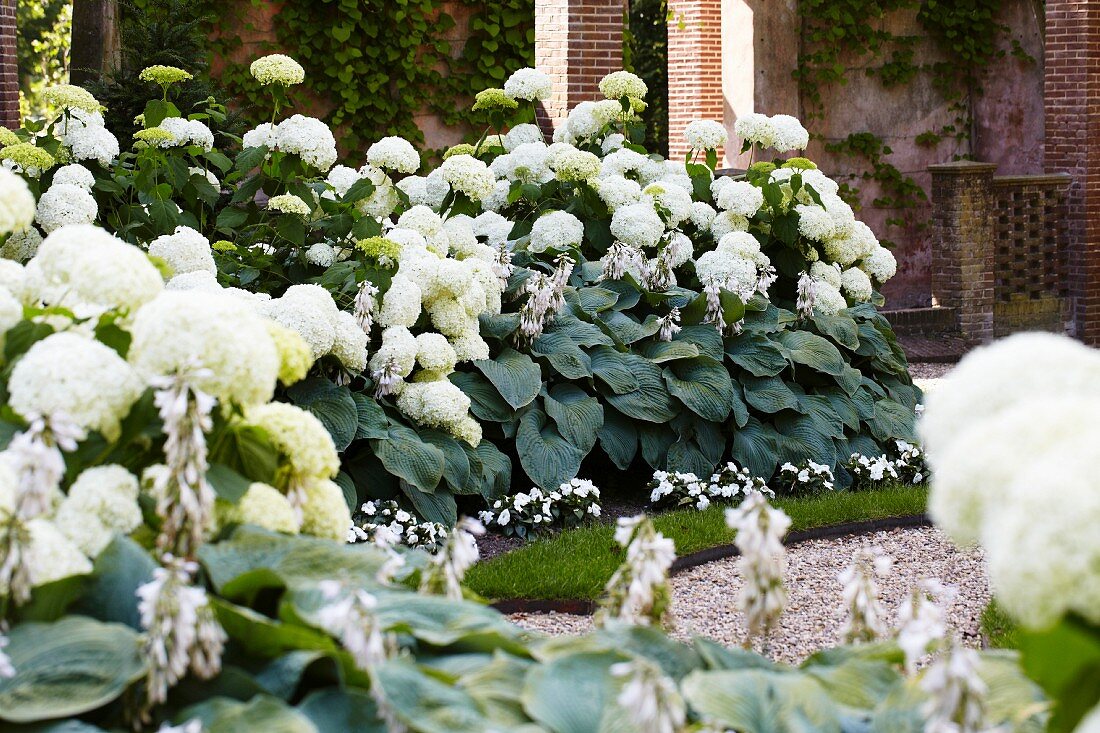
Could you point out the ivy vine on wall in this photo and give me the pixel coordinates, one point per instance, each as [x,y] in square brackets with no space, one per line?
[841,34]
[379,63]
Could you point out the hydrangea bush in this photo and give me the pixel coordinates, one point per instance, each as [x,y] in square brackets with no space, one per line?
[519,306]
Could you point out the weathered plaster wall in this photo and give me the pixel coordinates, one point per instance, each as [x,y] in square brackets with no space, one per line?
[1008,126]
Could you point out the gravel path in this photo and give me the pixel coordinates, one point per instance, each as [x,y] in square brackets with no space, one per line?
[703,596]
[927,374]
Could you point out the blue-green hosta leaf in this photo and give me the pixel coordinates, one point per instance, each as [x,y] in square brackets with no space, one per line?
[613,368]
[705,337]
[570,693]
[754,447]
[801,438]
[820,409]
[547,457]
[563,354]
[840,327]
[618,438]
[436,506]
[425,703]
[67,667]
[627,290]
[583,333]
[456,465]
[516,377]
[406,456]
[655,441]
[759,701]
[269,714]
[578,415]
[496,468]
[592,300]
[769,394]
[738,407]
[703,385]
[372,422]
[119,571]
[659,352]
[813,351]
[893,422]
[331,404]
[843,406]
[756,354]
[624,329]
[485,401]
[335,710]
[637,386]
[699,448]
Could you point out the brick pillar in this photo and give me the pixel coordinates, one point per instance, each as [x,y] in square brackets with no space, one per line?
[963,242]
[9,67]
[577,42]
[694,68]
[1072,145]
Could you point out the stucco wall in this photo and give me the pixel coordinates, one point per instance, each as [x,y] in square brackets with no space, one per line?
[1008,116]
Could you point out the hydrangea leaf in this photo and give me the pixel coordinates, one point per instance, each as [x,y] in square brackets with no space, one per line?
[67,667]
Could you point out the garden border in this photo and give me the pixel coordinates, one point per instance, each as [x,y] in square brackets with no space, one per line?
[586,607]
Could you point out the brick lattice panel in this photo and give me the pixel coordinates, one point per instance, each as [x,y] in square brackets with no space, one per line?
[1030,258]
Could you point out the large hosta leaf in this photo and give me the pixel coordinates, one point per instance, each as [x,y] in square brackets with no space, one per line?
[269,714]
[456,464]
[578,415]
[661,351]
[801,438]
[405,455]
[424,703]
[67,668]
[110,591]
[769,394]
[624,329]
[563,354]
[592,300]
[496,470]
[754,447]
[547,457]
[437,506]
[570,693]
[516,377]
[331,404]
[613,369]
[840,327]
[335,710]
[648,400]
[485,401]
[618,438]
[703,385]
[893,421]
[813,351]
[759,701]
[756,354]
[705,337]
[699,448]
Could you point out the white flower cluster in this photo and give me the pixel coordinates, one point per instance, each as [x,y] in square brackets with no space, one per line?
[376,518]
[864,616]
[760,530]
[447,568]
[904,463]
[184,251]
[65,203]
[736,265]
[529,85]
[782,133]
[84,135]
[16,203]
[277,68]
[186,132]
[638,592]
[527,513]
[1011,439]
[468,175]
[310,311]
[805,479]
[557,230]
[394,154]
[307,137]
[679,490]
[705,134]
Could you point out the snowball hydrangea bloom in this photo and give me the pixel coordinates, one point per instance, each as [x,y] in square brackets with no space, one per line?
[395,154]
[51,555]
[263,506]
[616,191]
[880,264]
[314,322]
[523,134]
[401,303]
[72,374]
[185,251]
[309,138]
[16,203]
[277,68]
[299,436]
[638,225]
[575,165]
[324,511]
[705,134]
[295,356]
[620,84]
[101,502]
[71,97]
[216,331]
[349,344]
[84,268]
[468,175]
[65,203]
[92,143]
[288,203]
[557,230]
[741,197]
[75,174]
[673,200]
[187,132]
[437,404]
[856,285]
[528,84]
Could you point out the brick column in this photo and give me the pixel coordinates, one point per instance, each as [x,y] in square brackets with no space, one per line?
[694,68]
[963,244]
[1072,145]
[577,42]
[9,67]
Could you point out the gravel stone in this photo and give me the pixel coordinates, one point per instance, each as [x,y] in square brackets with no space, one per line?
[704,596]
[927,375]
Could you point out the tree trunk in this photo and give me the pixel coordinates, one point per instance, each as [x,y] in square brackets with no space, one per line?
[96,46]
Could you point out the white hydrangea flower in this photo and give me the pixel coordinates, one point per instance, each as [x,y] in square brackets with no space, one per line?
[727,221]
[740,197]
[401,303]
[263,135]
[815,223]
[494,227]
[288,203]
[309,138]
[575,165]
[84,268]
[828,299]
[789,134]
[101,502]
[880,264]
[65,203]
[398,348]
[50,555]
[321,254]
[620,84]
[616,191]
[632,164]
[11,312]
[71,374]
[827,273]
[22,245]
[349,344]
[384,200]
[522,135]
[299,436]
[673,199]
[75,174]
[702,215]
[187,132]
[856,285]
[308,310]
[435,354]
[277,68]
[422,220]
[437,404]
[468,175]
[558,230]
[529,85]
[637,225]
[395,154]
[612,142]
[755,128]
[93,142]
[341,178]
[218,331]
[185,250]
[17,205]
[705,134]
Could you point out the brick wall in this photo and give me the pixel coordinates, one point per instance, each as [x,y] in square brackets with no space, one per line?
[578,42]
[1072,144]
[9,69]
[694,68]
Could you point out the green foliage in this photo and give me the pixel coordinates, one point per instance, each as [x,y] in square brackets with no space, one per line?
[375,64]
[645,52]
[42,48]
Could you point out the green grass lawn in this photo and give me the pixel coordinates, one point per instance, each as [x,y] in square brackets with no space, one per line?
[578,563]
[998,629]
